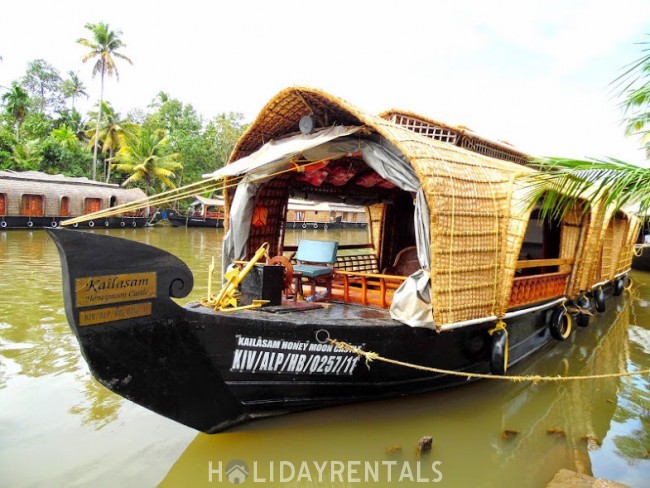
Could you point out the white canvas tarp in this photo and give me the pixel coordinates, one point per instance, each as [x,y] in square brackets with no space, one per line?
[412,301]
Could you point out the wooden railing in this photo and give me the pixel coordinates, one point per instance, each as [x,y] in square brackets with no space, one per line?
[542,286]
[365,288]
[530,289]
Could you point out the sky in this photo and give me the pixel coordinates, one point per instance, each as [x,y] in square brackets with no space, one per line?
[534,73]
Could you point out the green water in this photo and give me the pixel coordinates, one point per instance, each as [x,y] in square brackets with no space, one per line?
[58,427]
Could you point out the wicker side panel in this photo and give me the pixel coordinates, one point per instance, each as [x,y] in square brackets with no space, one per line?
[587,258]
[520,213]
[469,206]
[271,198]
[572,227]
[596,271]
[613,242]
[621,226]
[627,251]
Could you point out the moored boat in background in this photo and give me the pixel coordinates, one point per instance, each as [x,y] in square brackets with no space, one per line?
[203,212]
[30,199]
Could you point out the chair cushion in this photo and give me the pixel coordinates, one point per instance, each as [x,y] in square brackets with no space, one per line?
[317,251]
[311,271]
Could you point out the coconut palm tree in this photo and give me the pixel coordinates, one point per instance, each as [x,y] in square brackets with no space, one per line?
[144,154]
[110,133]
[73,87]
[104,46]
[65,136]
[16,102]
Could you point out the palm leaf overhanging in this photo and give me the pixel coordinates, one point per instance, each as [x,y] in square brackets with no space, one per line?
[610,181]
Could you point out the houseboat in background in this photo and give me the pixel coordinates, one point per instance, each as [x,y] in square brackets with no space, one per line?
[203,212]
[306,214]
[30,199]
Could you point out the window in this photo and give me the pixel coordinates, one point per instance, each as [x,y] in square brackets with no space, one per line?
[3,204]
[92,205]
[32,205]
[65,207]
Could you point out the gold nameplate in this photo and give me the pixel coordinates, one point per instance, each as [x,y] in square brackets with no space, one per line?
[111,314]
[102,290]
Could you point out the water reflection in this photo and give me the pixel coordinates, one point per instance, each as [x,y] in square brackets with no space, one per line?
[484,434]
[506,432]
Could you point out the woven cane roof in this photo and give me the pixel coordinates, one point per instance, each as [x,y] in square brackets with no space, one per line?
[458,135]
[478,217]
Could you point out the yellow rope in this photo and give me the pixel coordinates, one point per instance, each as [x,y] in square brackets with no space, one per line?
[373,356]
[191,190]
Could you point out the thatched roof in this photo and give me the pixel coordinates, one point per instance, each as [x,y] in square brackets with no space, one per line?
[477,214]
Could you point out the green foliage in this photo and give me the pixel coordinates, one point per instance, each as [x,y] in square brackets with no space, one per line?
[103,46]
[73,87]
[144,155]
[203,149]
[634,86]
[607,181]
[16,103]
[43,83]
[25,156]
[63,156]
[36,126]
[65,136]
[224,131]
[564,182]
[37,131]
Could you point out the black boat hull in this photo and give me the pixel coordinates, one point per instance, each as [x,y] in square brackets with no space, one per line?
[23,222]
[212,370]
[185,221]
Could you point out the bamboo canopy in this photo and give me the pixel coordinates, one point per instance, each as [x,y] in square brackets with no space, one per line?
[470,199]
[478,210]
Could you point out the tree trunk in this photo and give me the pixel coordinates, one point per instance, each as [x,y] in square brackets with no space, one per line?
[108,169]
[99,118]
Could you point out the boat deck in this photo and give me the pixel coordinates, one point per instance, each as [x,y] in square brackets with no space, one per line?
[324,313]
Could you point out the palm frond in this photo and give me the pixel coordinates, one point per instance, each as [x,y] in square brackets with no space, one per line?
[565,183]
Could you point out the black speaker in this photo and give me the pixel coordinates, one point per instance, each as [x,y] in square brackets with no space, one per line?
[262,283]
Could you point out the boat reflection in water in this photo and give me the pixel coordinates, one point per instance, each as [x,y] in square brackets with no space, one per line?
[484,433]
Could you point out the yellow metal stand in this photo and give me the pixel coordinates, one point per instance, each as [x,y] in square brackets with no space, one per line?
[226,301]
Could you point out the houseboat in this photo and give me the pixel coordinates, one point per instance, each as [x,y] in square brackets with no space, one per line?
[30,199]
[461,274]
[306,214]
[203,212]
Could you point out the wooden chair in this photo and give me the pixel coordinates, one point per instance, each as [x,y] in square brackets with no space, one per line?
[406,263]
[315,265]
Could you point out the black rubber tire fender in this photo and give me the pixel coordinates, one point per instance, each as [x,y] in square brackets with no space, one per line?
[561,324]
[619,286]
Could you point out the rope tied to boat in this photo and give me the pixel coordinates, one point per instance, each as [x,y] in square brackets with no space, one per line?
[373,356]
